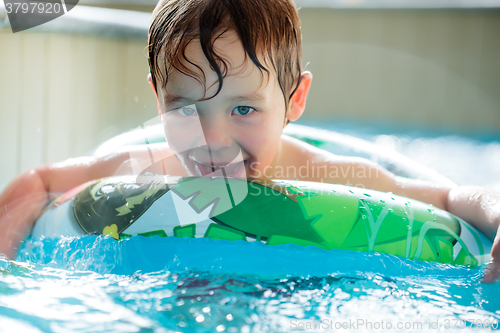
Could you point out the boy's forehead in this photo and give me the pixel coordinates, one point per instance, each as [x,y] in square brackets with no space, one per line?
[228,46]
[240,69]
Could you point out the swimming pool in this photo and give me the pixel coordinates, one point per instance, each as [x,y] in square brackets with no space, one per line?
[167,284]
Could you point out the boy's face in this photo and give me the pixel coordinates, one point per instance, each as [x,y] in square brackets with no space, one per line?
[240,128]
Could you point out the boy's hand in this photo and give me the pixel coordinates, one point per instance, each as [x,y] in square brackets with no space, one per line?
[480,207]
[20,204]
[23,200]
[477,205]
[491,272]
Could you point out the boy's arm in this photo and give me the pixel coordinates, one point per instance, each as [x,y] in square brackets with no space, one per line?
[22,202]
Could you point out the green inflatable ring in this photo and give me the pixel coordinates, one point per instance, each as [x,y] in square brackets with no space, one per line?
[278,212]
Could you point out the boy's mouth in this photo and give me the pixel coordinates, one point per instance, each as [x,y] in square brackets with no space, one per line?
[235,170]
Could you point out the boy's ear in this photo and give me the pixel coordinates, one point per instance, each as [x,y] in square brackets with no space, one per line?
[156,95]
[298,101]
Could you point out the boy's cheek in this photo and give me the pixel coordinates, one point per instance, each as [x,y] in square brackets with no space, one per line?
[264,154]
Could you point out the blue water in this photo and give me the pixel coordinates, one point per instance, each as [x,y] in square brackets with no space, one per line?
[96,284]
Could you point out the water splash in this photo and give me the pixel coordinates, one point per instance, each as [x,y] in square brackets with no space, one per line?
[169,284]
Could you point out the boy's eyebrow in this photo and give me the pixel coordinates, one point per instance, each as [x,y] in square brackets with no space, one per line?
[172,98]
[250,97]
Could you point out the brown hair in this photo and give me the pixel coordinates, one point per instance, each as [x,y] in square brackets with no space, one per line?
[268,28]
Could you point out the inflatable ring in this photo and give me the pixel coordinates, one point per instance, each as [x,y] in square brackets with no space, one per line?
[277,212]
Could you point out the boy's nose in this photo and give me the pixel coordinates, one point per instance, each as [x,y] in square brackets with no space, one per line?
[215,136]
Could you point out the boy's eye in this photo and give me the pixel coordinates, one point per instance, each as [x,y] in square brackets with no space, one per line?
[186,111]
[243,110]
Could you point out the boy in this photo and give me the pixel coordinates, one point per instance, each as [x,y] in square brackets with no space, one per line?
[227,78]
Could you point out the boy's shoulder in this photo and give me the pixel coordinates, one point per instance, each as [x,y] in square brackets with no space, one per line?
[297,152]
[306,162]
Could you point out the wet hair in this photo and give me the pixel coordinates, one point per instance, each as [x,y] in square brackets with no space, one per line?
[269,31]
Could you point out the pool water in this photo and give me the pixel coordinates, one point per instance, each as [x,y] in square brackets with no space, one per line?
[96,284]
[199,285]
